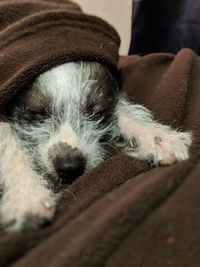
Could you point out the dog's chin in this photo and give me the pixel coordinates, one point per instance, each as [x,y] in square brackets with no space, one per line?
[55,181]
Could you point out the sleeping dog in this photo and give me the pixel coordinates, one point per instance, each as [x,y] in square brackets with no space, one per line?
[62,127]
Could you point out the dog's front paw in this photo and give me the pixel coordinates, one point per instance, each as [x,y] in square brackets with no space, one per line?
[166,149]
[27,211]
[172,147]
[161,148]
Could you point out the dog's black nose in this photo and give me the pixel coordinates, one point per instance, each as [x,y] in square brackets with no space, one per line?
[69,166]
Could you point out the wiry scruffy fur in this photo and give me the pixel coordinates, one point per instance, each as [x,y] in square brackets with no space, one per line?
[73,112]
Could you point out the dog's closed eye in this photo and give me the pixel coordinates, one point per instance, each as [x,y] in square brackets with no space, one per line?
[36,110]
[37,113]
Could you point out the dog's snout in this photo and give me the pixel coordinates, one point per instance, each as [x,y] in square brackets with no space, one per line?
[69,165]
[70,168]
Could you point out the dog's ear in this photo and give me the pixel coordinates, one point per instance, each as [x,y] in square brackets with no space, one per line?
[102,97]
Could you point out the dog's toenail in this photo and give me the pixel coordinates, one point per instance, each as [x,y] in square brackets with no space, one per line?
[157,140]
[47,205]
[133,143]
[152,161]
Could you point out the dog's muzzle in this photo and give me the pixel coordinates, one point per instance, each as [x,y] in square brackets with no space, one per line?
[69,163]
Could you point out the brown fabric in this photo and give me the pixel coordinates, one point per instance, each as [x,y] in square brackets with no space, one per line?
[37,35]
[122,213]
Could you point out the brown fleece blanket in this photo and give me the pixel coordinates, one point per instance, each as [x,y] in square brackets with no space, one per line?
[123,213]
[36,35]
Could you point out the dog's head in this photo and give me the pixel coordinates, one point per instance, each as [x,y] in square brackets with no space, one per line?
[66,119]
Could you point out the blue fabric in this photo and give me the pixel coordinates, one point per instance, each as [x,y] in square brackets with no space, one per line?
[165,26]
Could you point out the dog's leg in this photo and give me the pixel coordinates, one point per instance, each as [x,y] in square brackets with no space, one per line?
[26,201]
[149,139]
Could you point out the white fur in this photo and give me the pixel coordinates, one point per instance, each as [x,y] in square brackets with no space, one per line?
[25,195]
[67,86]
[26,198]
[159,142]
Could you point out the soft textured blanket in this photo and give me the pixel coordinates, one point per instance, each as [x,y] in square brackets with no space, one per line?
[36,35]
[123,213]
